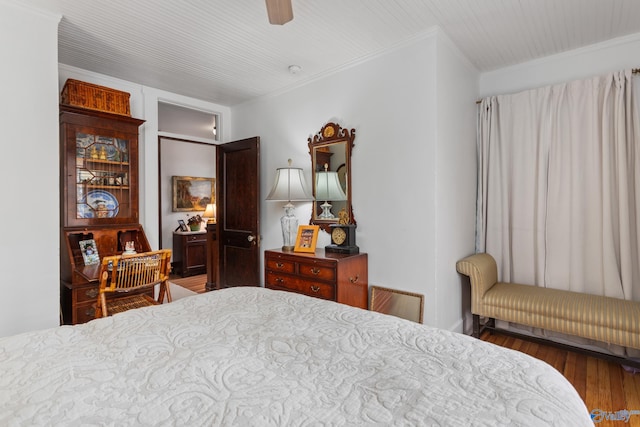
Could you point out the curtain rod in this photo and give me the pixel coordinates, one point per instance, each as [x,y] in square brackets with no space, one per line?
[633,71]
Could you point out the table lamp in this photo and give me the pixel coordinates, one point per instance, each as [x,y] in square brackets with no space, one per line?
[289,186]
[328,188]
[210,213]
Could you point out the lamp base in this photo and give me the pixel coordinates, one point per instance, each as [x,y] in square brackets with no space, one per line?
[289,225]
[326,211]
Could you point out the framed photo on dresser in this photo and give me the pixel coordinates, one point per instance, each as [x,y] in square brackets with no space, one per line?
[307,238]
[182,226]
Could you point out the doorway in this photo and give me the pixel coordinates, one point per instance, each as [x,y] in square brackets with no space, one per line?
[183,158]
[187,139]
[198,157]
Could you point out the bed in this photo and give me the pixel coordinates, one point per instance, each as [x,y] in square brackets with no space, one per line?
[259,357]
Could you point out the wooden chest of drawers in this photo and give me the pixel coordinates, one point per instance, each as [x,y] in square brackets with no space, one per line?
[337,277]
[83,300]
[189,253]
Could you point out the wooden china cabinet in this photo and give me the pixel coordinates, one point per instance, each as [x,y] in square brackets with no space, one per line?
[99,200]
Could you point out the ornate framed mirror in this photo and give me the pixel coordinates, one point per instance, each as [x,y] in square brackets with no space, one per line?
[330,151]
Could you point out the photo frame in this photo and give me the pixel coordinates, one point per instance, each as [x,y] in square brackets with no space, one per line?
[307,238]
[192,193]
[407,305]
[182,226]
[89,251]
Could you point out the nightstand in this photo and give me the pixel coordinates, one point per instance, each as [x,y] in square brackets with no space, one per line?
[189,253]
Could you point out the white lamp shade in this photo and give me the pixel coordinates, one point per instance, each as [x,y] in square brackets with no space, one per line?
[328,187]
[290,186]
[210,211]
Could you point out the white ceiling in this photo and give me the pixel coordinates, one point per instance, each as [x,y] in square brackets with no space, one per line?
[226,52]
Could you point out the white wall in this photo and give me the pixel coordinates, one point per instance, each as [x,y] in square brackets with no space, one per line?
[29,169]
[392,101]
[181,158]
[616,54]
[457,86]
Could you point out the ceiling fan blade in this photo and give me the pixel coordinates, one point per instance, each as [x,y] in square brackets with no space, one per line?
[280,11]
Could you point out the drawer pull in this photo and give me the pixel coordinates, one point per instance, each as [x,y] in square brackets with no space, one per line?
[279,264]
[354,279]
[315,289]
[279,280]
[315,271]
[90,313]
[91,293]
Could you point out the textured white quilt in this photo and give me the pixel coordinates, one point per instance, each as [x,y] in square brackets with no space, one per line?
[257,357]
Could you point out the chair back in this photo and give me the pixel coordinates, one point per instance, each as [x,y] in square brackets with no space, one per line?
[124,273]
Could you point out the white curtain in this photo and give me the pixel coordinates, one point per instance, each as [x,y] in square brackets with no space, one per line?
[559,186]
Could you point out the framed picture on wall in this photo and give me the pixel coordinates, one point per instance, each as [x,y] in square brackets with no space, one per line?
[307,238]
[407,305]
[192,193]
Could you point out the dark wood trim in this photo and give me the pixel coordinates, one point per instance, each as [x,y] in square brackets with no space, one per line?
[159,180]
[479,328]
[212,257]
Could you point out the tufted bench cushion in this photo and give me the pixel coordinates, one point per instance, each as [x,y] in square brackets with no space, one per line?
[605,319]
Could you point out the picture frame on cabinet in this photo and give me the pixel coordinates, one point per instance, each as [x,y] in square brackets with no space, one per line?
[192,193]
[403,304]
[182,226]
[307,238]
[89,252]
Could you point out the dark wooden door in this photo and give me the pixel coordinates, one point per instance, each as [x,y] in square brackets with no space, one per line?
[238,212]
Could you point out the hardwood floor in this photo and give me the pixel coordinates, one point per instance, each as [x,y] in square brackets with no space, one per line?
[193,283]
[602,385]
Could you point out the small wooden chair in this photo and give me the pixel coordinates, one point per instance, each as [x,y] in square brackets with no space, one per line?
[126,274]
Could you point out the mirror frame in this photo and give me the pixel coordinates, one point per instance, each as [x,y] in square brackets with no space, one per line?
[407,305]
[332,133]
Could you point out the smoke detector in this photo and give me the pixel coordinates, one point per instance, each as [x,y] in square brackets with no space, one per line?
[294,69]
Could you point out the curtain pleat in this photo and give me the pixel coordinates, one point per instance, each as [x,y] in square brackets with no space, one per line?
[558,201]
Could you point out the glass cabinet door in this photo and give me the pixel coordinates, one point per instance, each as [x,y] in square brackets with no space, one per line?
[102,177]
[100,161]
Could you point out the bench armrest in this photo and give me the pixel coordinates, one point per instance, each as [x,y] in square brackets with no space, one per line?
[483,274]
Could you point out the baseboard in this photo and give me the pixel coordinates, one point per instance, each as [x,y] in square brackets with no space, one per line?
[457,327]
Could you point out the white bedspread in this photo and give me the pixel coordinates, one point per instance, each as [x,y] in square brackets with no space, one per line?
[256,357]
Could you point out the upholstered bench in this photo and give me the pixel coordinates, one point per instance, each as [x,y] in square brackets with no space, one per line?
[605,319]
